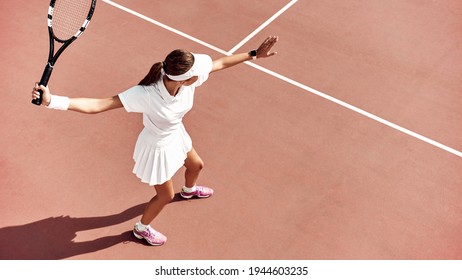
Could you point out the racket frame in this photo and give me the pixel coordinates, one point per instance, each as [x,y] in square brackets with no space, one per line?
[53,57]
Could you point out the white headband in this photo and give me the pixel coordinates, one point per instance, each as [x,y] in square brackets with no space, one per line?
[182,77]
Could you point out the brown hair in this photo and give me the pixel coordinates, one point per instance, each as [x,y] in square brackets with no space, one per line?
[176,63]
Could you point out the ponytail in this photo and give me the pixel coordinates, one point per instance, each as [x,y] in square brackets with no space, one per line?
[153,76]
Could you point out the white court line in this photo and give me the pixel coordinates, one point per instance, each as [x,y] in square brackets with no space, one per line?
[171,29]
[357,110]
[266,23]
[297,84]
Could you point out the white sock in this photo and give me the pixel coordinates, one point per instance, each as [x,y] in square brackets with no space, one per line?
[189,190]
[140,226]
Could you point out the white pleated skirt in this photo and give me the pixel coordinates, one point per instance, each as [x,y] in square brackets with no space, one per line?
[158,158]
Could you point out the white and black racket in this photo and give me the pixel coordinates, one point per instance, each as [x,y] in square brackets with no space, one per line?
[67,20]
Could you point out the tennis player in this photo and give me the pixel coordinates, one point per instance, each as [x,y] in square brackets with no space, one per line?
[163,96]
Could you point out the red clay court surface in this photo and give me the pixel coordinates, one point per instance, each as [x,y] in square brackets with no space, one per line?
[296,175]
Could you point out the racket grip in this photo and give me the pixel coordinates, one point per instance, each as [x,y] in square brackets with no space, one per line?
[43,81]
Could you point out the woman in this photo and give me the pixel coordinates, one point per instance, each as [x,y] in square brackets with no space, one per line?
[164,96]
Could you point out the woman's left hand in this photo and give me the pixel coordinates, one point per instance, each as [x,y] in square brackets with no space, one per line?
[264,50]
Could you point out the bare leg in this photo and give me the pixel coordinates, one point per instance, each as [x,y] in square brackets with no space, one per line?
[194,165]
[165,194]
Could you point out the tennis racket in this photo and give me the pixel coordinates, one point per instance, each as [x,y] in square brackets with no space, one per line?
[67,20]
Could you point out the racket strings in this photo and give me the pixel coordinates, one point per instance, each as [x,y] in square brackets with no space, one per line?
[68,17]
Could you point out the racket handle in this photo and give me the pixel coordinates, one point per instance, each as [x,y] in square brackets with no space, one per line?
[43,81]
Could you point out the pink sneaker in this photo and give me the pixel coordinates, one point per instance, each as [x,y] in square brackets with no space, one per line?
[152,236]
[201,192]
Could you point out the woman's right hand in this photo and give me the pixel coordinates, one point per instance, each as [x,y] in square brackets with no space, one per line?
[46,96]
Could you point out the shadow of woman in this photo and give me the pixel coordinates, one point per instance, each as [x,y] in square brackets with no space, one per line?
[52,238]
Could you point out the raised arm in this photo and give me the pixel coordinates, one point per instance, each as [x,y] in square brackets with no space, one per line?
[264,50]
[81,105]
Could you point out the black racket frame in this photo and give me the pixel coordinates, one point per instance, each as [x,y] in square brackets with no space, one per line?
[53,57]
